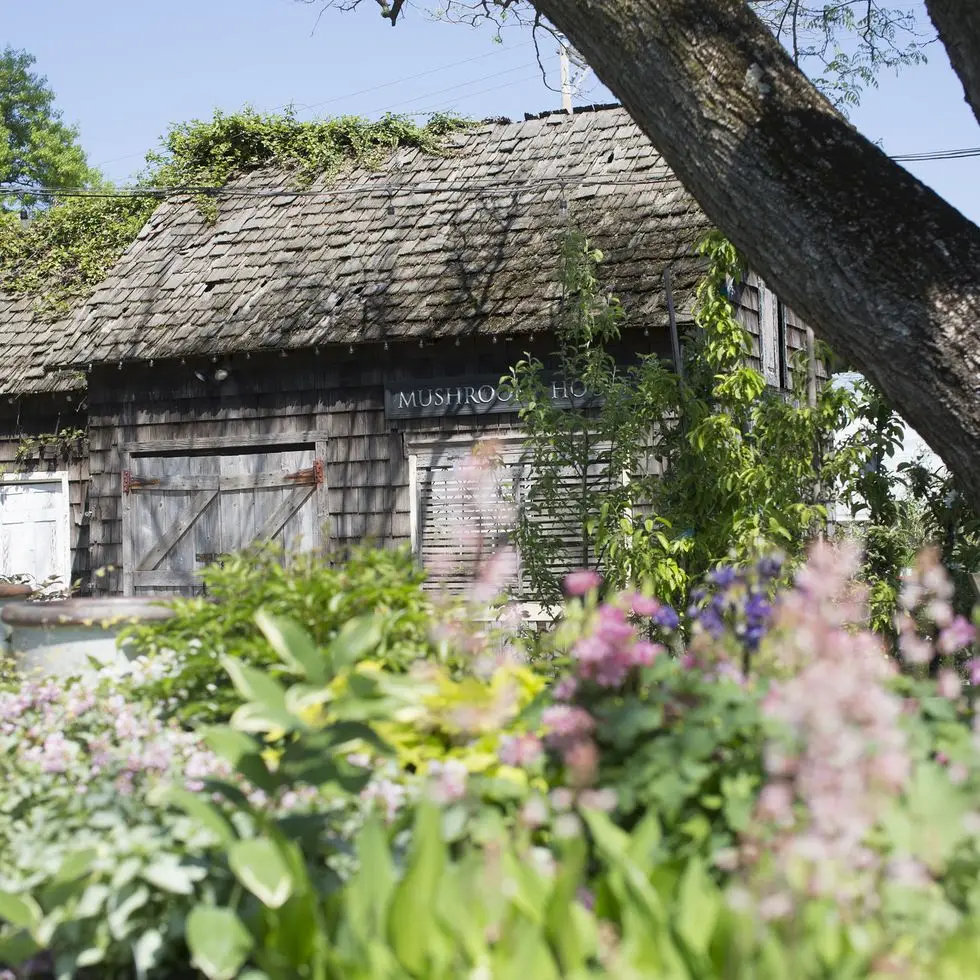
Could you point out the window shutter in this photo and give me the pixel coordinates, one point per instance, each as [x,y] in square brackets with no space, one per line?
[454,534]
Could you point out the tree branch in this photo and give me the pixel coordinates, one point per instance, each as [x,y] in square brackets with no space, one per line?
[885,270]
[958,25]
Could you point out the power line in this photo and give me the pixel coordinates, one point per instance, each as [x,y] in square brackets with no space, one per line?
[308,106]
[973,151]
[508,187]
[401,81]
[504,186]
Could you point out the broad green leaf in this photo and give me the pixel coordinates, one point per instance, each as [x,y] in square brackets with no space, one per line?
[356,639]
[207,815]
[146,951]
[219,942]
[367,895]
[261,868]
[122,906]
[169,875]
[17,947]
[254,684]
[259,717]
[698,904]
[411,920]
[75,865]
[19,910]
[294,645]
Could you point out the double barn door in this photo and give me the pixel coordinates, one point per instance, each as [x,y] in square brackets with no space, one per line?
[184,512]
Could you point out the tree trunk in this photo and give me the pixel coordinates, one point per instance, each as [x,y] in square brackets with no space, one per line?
[885,270]
[958,24]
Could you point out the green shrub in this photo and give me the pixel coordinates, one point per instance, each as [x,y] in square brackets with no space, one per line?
[317,595]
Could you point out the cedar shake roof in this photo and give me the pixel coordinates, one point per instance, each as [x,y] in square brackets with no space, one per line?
[423,246]
[26,341]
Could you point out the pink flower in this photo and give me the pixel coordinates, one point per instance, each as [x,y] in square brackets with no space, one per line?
[958,634]
[447,781]
[645,605]
[582,761]
[520,750]
[599,799]
[566,723]
[644,653]
[949,684]
[582,582]
[776,804]
[565,689]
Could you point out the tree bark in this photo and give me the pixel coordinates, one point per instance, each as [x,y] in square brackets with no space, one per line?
[958,24]
[885,270]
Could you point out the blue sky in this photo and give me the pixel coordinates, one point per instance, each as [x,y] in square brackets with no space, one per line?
[124,69]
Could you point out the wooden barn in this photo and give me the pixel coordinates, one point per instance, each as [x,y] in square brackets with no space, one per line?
[43,455]
[307,367]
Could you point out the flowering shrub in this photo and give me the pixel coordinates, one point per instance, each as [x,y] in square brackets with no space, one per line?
[84,827]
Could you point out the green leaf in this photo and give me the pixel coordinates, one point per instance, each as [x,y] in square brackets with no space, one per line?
[218,941]
[697,907]
[146,952]
[295,646]
[121,908]
[367,895]
[20,910]
[169,875]
[261,868]
[254,684]
[200,810]
[411,920]
[356,639]
[17,947]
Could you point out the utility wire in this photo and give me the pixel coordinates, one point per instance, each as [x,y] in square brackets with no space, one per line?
[507,187]
[304,107]
[500,186]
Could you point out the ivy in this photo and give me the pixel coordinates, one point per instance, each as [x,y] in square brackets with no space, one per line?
[70,247]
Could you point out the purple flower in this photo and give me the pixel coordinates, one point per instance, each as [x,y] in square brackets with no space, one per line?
[768,568]
[666,618]
[582,582]
[723,576]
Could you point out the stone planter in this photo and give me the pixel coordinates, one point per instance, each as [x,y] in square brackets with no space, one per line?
[10,592]
[60,638]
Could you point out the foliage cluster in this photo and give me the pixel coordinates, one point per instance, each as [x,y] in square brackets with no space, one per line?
[660,476]
[70,247]
[319,595]
[645,813]
[37,147]
[64,444]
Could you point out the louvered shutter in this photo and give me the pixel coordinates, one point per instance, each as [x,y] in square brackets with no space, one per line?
[454,530]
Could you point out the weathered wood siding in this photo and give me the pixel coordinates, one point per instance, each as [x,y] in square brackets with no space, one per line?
[334,393]
[43,415]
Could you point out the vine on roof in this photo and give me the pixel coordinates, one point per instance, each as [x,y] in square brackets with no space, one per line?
[69,248]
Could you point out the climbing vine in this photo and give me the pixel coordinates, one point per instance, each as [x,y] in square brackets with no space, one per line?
[665,475]
[70,247]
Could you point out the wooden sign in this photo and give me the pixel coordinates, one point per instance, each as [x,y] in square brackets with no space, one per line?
[472,396]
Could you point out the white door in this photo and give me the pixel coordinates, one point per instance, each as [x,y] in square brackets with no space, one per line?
[34,529]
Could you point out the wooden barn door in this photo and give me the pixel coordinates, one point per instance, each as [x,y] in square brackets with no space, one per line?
[181,513]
